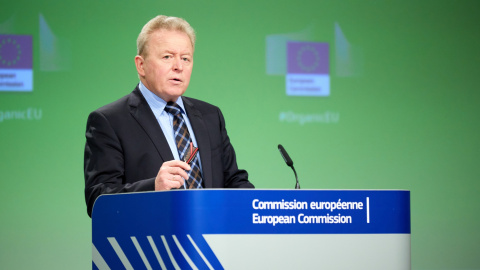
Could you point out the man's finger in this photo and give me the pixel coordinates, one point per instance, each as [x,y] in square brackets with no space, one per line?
[177,178]
[180,172]
[177,163]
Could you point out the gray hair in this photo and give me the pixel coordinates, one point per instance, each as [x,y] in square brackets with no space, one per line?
[163,22]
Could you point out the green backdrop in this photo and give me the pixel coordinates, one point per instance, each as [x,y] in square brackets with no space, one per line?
[404,95]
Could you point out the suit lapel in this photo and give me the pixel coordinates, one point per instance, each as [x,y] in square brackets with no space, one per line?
[203,140]
[142,113]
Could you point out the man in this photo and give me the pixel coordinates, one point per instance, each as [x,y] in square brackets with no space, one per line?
[141,141]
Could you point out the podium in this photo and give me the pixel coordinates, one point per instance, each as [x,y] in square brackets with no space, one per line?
[252,229]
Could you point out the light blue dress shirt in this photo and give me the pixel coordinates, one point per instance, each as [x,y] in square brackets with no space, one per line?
[165,120]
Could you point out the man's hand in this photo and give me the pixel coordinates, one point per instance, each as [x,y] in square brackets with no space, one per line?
[172,174]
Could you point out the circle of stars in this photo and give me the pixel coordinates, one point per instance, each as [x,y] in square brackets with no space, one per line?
[9,43]
[316,62]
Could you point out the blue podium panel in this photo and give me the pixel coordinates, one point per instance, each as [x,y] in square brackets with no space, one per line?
[252,229]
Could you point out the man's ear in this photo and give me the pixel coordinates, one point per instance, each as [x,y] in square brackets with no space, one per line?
[139,62]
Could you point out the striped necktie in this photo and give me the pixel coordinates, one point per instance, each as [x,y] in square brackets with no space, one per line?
[185,145]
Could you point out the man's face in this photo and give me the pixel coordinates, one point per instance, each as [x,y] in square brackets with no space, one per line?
[167,68]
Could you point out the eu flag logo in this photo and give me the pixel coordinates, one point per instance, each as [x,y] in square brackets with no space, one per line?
[16,63]
[307,69]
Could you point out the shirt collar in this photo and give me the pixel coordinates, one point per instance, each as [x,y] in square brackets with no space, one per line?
[157,102]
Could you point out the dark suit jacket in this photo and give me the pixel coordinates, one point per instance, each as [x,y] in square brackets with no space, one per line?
[125,148]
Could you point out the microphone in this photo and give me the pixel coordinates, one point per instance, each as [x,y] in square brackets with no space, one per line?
[289,162]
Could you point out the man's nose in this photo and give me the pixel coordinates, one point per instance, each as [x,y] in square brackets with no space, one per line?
[177,64]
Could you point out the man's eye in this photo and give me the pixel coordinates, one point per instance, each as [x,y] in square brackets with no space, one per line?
[167,57]
[186,59]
